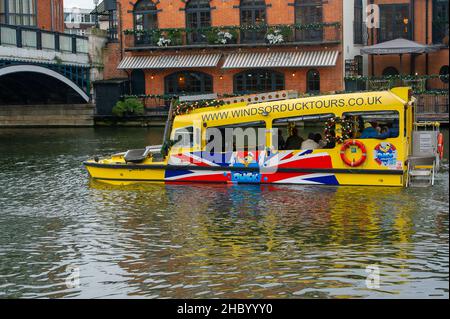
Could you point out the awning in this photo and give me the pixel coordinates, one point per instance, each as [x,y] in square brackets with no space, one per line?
[398,46]
[296,59]
[170,61]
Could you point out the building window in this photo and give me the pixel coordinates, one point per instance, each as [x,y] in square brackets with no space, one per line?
[440,21]
[112,25]
[253,13]
[313,82]
[394,22]
[145,18]
[198,16]
[18,12]
[258,81]
[442,72]
[308,12]
[2,11]
[358,22]
[389,71]
[188,83]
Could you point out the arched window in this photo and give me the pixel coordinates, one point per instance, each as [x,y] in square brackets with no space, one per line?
[198,16]
[18,12]
[258,81]
[444,71]
[145,18]
[188,82]
[137,82]
[390,70]
[313,82]
[307,12]
[253,13]
[358,22]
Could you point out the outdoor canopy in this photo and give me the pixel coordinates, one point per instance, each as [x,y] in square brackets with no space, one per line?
[286,59]
[170,61]
[398,46]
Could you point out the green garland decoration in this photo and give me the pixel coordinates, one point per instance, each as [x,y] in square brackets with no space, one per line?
[175,34]
[346,130]
[186,107]
[397,77]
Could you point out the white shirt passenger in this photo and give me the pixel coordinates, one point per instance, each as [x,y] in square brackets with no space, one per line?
[310,145]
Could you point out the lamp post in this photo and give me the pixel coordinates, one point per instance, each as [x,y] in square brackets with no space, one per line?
[96,14]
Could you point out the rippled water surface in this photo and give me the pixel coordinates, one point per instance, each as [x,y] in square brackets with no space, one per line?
[205,241]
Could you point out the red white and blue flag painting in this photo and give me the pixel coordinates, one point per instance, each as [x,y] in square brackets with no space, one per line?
[252,167]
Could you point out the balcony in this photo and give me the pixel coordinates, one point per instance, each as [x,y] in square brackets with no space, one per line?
[234,36]
[419,83]
[431,91]
[32,38]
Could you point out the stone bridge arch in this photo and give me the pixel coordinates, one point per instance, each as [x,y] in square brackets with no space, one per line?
[33,84]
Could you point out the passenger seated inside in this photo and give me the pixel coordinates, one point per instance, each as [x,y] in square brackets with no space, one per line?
[294,142]
[394,131]
[369,131]
[281,142]
[385,132]
[310,143]
[318,139]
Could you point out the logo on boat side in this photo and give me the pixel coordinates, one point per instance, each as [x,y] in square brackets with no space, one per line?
[385,154]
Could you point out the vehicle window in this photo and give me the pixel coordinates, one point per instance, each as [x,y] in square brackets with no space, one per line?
[301,133]
[239,137]
[377,124]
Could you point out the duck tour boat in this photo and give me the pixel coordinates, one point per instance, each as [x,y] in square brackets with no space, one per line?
[369,138]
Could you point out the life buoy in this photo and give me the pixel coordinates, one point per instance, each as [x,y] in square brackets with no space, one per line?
[361,146]
[440,147]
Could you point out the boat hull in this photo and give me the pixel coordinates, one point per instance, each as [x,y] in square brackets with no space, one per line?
[131,174]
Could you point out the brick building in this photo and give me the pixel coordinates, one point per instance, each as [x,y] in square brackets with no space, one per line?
[43,14]
[422,21]
[247,46]
[228,46]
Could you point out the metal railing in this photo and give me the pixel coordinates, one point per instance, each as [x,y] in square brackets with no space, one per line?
[235,35]
[26,37]
[431,91]
[419,83]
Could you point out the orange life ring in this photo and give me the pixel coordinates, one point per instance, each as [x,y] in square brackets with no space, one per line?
[361,146]
[440,147]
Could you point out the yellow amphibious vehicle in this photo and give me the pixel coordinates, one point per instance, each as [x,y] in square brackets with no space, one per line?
[368,138]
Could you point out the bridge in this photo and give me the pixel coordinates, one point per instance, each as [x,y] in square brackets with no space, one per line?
[39,67]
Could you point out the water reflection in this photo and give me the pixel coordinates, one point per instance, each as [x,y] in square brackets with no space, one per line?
[238,241]
[205,241]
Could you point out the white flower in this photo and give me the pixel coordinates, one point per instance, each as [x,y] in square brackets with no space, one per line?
[163,42]
[275,37]
[223,37]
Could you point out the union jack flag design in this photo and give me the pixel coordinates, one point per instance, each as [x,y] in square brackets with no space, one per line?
[258,167]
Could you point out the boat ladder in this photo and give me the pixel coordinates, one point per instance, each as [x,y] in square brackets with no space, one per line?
[421,171]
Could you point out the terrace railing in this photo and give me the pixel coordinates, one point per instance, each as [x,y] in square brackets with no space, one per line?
[238,35]
[32,38]
[431,91]
[419,83]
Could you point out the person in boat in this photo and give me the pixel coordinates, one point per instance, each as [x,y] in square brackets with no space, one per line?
[394,131]
[385,132]
[310,143]
[369,131]
[319,140]
[281,141]
[294,142]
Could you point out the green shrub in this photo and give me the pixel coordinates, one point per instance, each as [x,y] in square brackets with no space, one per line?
[130,106]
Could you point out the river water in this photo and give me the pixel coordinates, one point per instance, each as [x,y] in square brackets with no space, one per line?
[62,235]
